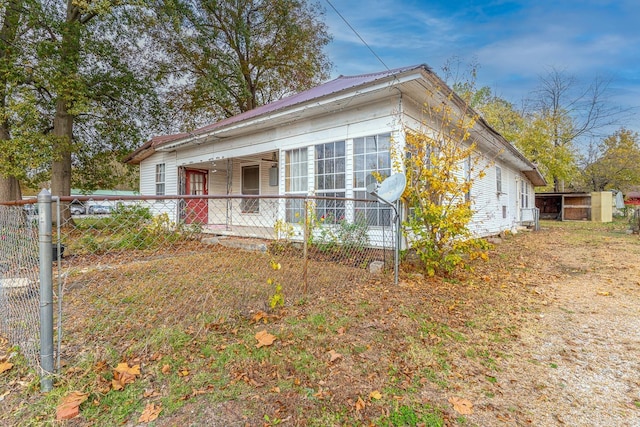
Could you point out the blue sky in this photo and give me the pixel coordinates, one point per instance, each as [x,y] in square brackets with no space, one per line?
[513,42]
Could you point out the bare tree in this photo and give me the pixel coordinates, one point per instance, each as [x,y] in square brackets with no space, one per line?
[569,112]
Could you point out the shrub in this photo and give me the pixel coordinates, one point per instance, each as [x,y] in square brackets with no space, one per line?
[441,167]
[130,216]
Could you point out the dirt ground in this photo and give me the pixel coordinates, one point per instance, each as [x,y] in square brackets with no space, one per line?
[577,361]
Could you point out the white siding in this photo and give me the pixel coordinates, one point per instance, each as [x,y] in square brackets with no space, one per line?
[148,174]
[359,120]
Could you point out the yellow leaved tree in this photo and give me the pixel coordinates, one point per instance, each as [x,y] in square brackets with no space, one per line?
[441,163]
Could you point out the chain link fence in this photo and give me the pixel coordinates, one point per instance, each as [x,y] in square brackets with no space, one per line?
[19,283]
[191,262]
[218,257]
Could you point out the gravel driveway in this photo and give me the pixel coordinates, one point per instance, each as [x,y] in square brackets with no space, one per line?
[577,363]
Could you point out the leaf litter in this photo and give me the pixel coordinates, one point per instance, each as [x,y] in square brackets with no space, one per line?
[424,340]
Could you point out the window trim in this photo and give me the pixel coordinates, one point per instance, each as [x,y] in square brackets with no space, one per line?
[161,179]
[524,194]
[336,208]
[358,191]
[294,208]
[499,180]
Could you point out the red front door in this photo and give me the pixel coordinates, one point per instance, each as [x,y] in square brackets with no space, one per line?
[196,185]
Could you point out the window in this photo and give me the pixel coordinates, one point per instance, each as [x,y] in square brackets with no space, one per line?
[330,180]
[467,177]
[370,154]
[295,182]
[524,194]
[160,179]
[498,179]
[196,183]
[250,186]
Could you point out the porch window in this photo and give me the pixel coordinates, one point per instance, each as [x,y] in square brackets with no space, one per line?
[371,154]
[160,179]
[498,179]
[295,182]
[330,180]
[250,186]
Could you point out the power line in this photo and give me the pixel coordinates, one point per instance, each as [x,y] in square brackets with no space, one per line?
[359,36]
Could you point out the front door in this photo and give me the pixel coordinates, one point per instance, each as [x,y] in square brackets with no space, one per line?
[196,185]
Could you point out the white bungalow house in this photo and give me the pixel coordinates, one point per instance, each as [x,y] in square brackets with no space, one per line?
[327,141]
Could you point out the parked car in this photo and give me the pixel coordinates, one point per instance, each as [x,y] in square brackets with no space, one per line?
[76,209]
[99,209]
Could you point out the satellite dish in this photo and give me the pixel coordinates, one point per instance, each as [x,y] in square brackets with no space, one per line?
[390,190]
[372,186]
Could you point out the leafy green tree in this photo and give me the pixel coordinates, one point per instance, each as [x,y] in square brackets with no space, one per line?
[98,75]
[225,57]
[11,15]
[76,92]
[615,163]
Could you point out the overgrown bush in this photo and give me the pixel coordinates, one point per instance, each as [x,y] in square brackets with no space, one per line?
[440,168]
[132,227]
[340,236]
[130,216]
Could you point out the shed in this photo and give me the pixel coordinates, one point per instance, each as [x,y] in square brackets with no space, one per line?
[595,206]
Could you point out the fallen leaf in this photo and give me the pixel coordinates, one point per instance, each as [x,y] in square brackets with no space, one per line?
[183,372]
[264,339]
[70,406]
[123,375]
[604,293]
[150,393]
[275,390]
[360,404]
[150,413]
[334,355]
[100,366]
[5,366]
[461,406]
[166,369]
[260,315]
[341,331]
[375,395]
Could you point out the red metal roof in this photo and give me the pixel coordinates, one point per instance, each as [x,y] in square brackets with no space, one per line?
[335,86]
[332,87]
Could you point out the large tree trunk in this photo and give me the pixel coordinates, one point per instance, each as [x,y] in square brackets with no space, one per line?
[9,189]
[61,165]
[63,120]
[9,185]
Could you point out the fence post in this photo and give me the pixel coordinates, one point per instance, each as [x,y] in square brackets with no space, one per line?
[397,242]
[305,239]
[46,290]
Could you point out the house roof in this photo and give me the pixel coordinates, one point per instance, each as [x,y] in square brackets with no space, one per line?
[333,88]
[340,84]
